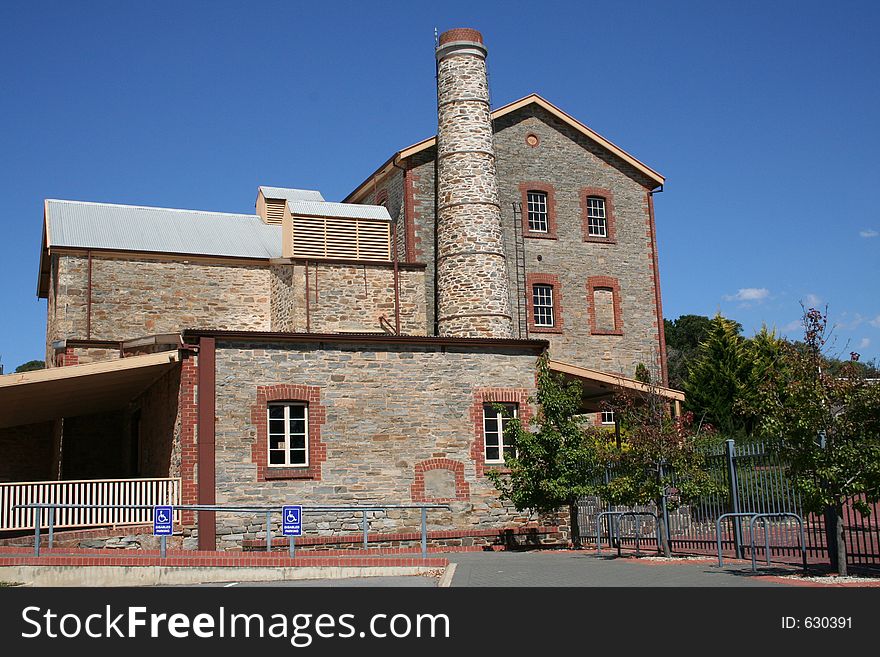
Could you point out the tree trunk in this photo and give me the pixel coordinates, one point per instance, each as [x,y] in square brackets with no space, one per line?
[841,545]
[574,524]
[663,546]
[831,525]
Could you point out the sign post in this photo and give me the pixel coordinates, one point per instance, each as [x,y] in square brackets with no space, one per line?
[291,523]
[163,525]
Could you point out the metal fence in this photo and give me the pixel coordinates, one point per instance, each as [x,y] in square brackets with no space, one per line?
[754,481]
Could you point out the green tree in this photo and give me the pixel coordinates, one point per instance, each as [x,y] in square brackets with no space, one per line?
[660,454]
[31,366]
[764,356]
[683,336]
[717,376]
[555,465]
[826,427]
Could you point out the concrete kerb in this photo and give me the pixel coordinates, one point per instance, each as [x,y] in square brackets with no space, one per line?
[176,575]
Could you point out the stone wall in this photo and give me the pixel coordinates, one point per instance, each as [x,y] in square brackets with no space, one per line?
[384,420]
[568,163]
[134,297]
[346,298]
[26,452]
[565,163]
[159,436]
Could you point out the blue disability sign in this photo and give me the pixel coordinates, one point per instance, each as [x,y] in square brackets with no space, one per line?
[291,520]
[162,520]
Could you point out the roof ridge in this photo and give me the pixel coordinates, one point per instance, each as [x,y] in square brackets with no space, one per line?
[151,207]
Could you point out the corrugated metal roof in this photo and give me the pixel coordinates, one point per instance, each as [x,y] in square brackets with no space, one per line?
[349,210]
[291,194]
[164,230]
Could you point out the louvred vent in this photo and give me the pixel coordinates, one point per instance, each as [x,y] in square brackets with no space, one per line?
[274,210]
[339,238]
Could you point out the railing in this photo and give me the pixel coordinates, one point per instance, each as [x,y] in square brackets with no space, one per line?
[89,503]
[45,514]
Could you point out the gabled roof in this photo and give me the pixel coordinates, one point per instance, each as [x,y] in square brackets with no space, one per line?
[531,99]
[289,194]
[345,210]
[78,224]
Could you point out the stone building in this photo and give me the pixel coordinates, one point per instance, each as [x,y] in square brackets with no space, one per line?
[330,353]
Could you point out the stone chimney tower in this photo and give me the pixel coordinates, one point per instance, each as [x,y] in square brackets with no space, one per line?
[472,283]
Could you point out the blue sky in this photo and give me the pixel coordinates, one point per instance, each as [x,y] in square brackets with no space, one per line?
[762,116]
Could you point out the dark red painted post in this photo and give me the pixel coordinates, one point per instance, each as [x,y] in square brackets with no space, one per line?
[207,519]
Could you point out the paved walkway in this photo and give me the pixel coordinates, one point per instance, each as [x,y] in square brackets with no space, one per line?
[561,568]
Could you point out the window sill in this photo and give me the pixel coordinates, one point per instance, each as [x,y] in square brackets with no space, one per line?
[500,468]
[540,236]
[600,240]
[287,473]
[607,333]
[544,329]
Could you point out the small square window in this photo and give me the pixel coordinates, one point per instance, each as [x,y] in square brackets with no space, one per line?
[538,216]
[542,305]
[495,418]
[288,434]
[607,417]
[597,220]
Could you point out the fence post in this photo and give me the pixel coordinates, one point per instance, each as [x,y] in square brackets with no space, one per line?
[734,496]
[665,510]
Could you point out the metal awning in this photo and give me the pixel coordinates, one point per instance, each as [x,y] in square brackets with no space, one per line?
[58,392]
[601,387]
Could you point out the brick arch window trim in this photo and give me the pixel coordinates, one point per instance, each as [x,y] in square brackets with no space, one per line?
[317,415]
[610,231]
[462,488]
[553,281]
[518,396]
[545,188]
[604,283]
[381,197]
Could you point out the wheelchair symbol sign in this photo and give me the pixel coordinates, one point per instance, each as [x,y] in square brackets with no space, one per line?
[291,520]
[162,521]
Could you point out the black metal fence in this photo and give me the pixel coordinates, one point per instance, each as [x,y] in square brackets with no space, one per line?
[753,480]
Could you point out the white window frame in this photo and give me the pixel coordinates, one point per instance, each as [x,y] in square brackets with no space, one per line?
[287,435]
[607,417]
[489,412]
[537,203]
[597,216]
[548,305]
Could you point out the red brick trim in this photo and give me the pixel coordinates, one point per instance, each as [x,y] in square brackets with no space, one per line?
[68,357]
[462,489]
[547,188]
[585,193]
[317,416]
[519,396]
[189,451]
[544,279]
[409,204]
[607,283]
[381,196]
[655,283]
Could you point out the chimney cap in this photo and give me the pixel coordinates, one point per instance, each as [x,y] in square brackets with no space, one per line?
[461,34]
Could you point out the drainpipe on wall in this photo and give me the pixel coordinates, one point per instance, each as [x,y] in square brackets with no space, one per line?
[308,320]
[396,283]
[89,299]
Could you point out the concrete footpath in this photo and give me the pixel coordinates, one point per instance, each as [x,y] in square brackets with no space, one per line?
[562,568]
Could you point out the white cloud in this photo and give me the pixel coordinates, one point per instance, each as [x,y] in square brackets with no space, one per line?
[812,301]
[868,233]
[749,294]
[875,322]
[848,324]
[864,343]
[794,325]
